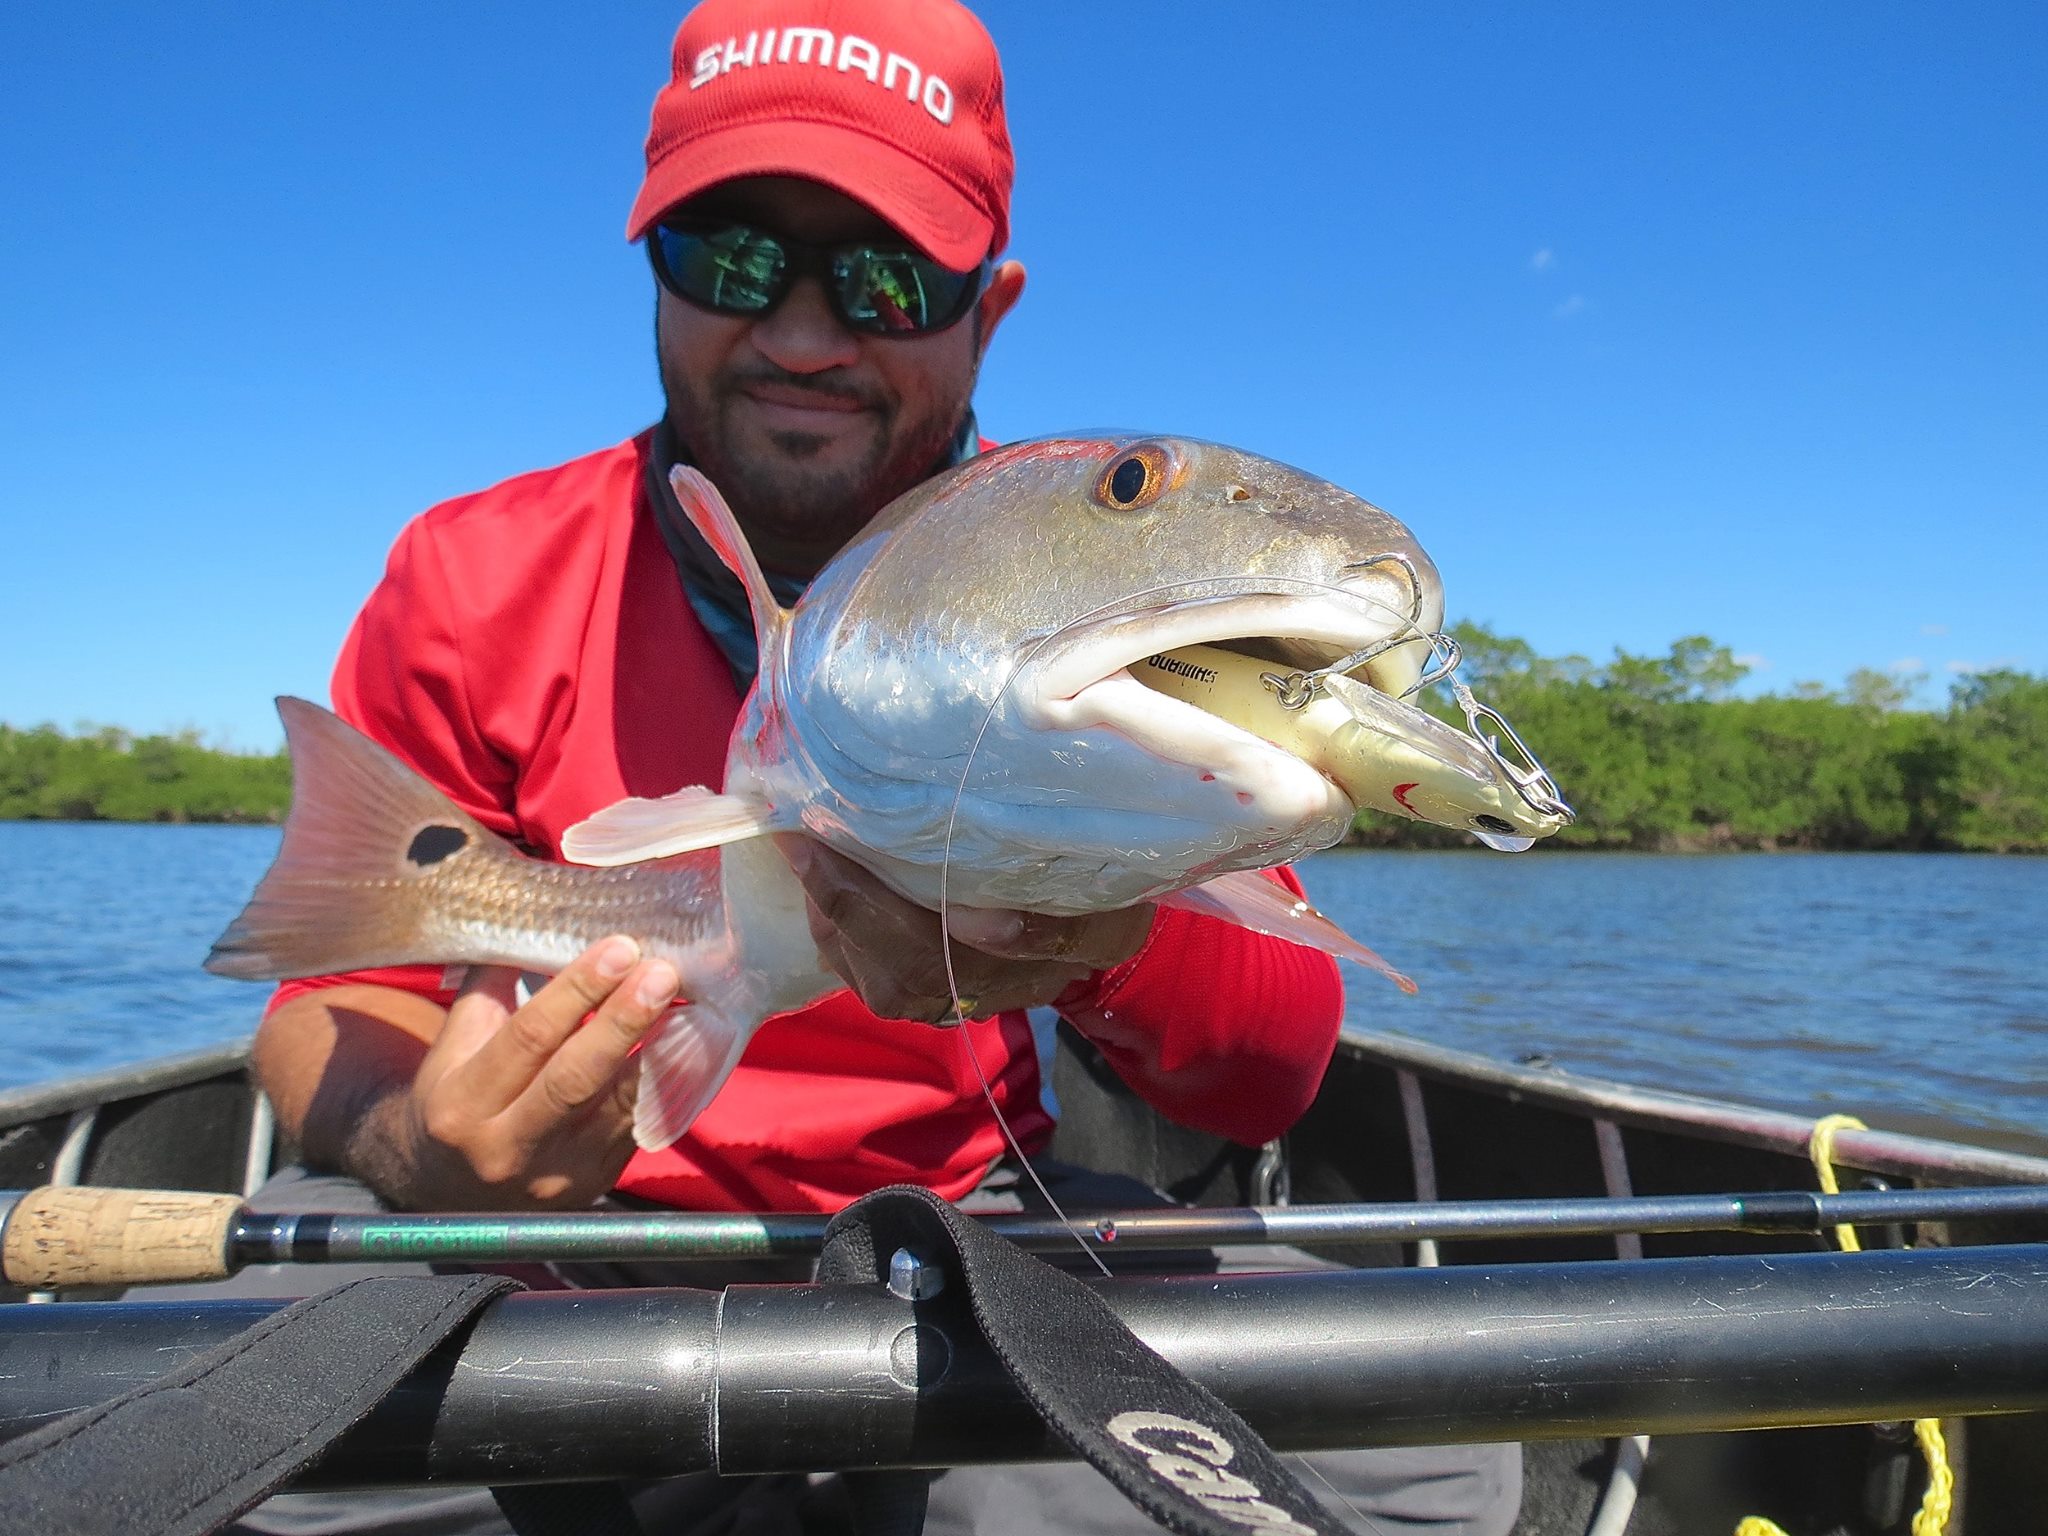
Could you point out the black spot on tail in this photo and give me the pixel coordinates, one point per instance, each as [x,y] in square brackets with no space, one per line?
[433,844]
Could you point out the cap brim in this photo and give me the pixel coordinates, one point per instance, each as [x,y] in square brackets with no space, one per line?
[925,206]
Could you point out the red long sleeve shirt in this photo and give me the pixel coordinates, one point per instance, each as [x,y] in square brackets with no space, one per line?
[530,651]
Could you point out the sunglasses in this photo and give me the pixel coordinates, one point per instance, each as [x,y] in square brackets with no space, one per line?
[875,289]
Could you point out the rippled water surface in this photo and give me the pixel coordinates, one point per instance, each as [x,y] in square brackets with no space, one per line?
[1908,988]
[1905,987]
[102,928]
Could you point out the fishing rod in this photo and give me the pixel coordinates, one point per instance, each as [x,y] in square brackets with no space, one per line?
[62,1236]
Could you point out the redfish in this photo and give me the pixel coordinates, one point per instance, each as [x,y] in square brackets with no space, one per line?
[983,698]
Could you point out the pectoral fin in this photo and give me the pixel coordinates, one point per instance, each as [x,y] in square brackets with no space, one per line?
[691,818]
[684,1063]
[1250,900]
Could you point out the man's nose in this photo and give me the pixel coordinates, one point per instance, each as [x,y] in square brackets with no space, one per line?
[802,335]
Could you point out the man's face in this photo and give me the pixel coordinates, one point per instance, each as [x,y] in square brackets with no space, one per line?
[808,428]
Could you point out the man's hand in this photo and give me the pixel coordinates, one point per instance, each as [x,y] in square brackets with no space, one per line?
[529,1106]
[889,949]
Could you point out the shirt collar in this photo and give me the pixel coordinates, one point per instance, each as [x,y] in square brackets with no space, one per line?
[716,595]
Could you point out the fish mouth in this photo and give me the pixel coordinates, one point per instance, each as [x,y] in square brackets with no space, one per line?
[1222,687]
[1290,631]
[1083,679]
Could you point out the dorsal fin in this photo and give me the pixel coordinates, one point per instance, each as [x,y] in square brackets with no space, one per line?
[710,516]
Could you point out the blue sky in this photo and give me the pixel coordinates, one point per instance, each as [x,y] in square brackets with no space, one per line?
[1650,321]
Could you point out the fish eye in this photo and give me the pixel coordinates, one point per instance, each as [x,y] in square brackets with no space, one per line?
[1127,481]
[1492,824]
[1136,478]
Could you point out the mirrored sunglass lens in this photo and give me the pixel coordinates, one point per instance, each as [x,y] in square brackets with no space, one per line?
[897,290]
[736,269]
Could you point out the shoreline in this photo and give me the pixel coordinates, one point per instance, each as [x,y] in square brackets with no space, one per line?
[1376,838]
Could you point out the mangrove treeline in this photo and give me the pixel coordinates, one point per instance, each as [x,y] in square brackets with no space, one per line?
[108,775]
[1652,751]
[1654,754]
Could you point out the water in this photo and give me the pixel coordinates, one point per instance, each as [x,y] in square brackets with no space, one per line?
[1904,988]
[102,929]
[1900,987]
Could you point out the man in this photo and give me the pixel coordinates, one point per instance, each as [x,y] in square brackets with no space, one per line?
[826,200]
[560,641]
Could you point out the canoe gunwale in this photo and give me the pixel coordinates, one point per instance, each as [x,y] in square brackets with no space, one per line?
[1654,1109]
[40,1101]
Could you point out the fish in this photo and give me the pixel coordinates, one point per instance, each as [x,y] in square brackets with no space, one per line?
[1386,754]
[982,699]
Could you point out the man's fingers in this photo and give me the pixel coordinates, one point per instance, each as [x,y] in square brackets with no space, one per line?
[503,1066]
[1094,942]
[625,1092]
[500,983]
[985,984]
[891,950]
[587,1067]
[485,996]
[847,899]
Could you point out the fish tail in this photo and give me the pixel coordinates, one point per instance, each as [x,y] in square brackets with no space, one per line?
[684,1063]
[370,849]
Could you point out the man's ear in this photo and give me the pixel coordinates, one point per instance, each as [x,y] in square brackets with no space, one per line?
[1005,287]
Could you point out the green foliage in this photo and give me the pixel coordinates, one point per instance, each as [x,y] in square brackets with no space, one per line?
[108,775]
[1650,750]
[1696,669]
[1654,754]
[2001,721]
[1881,690]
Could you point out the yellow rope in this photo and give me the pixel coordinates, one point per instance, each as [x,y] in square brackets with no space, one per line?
[1939,1500]
[1820,1146]
[1940,1497]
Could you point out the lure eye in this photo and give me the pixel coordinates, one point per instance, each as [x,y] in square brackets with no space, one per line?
[1135,479]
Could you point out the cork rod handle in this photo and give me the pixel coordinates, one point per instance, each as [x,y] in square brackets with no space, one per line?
[62,1236]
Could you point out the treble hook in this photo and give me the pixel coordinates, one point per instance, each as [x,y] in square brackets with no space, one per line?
[1295,689]
[1531,780]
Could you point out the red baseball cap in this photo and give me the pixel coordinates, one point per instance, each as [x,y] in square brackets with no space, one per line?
[896,103]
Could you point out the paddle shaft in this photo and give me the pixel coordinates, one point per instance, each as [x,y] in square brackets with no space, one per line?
[58,1237]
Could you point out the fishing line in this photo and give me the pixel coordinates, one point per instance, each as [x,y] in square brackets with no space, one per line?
[1195,591]
[1301,1457]
[988,1092]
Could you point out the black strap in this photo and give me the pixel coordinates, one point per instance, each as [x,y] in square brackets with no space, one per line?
[186,1453]
[190,1451]
[1170,1446]
[568,1509]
